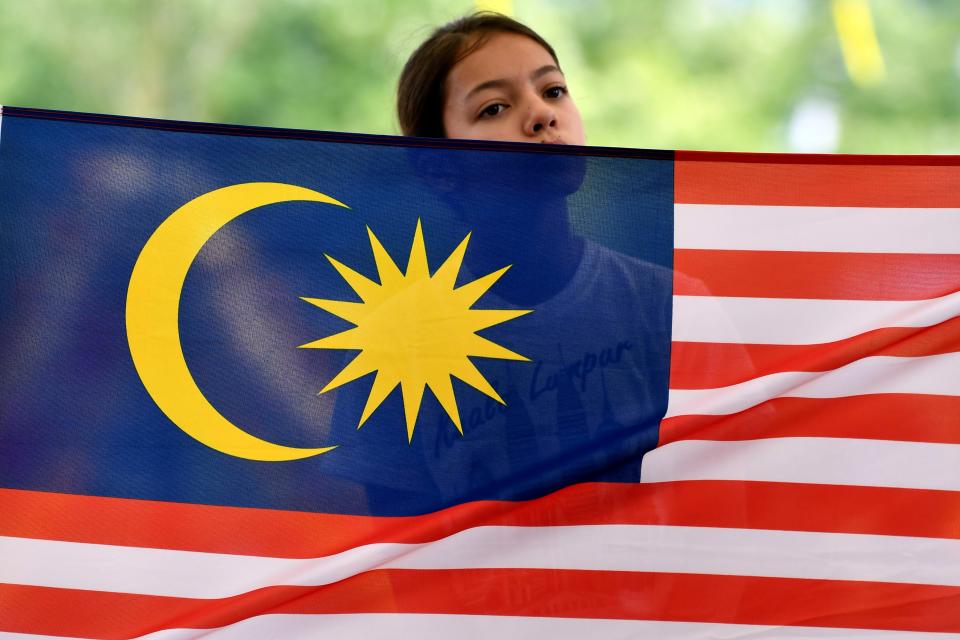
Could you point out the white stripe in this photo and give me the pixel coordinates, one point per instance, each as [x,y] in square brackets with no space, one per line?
[930,375]
[842,461]
[794,321]
[384,626]
[644,548]
[388,626]
[832,229]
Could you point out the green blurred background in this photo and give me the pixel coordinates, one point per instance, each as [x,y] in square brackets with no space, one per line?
[852,76]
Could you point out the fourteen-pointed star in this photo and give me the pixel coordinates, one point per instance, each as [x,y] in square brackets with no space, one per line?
[415,330]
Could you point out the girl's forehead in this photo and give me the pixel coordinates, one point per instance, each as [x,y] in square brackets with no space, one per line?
[498,56]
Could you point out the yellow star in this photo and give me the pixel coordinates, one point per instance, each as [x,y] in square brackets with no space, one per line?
[415,330]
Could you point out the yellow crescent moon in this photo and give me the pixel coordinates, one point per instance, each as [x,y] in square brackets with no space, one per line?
[153,309]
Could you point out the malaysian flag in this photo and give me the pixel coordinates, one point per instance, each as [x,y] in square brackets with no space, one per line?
[262,383]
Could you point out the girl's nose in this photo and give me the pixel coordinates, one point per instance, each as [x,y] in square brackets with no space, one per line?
[541,116]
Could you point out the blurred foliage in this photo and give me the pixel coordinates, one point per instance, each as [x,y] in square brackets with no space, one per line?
[691,74]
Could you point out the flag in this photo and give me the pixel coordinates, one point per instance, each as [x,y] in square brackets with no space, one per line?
[273,383]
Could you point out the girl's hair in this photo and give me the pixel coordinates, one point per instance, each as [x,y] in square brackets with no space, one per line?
[421,90]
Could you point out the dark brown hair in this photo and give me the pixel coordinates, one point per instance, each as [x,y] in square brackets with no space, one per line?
[421,90]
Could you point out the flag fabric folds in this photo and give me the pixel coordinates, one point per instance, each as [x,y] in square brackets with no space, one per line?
[273,383]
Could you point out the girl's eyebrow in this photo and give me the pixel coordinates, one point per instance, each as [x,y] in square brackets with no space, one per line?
[489,84]
[544,70]
[502,82]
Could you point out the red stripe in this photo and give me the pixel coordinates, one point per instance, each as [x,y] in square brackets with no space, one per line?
[828,276]
[833,159]
[709,365]
[890,416]
[525,592]
[819,181]
[751,505]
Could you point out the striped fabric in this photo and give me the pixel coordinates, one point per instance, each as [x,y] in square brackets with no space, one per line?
[815,375]
[806,483]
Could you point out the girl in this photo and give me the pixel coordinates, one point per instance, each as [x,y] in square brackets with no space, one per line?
[587,404]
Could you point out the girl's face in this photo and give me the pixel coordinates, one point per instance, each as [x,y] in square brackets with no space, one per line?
[510,89]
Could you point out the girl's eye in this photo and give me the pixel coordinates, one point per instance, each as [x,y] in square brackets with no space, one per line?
[555,92]
[493,110]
